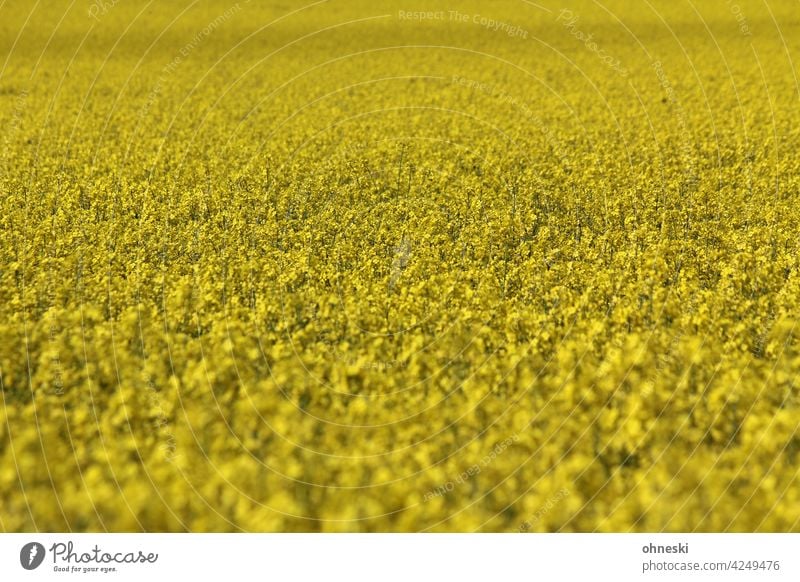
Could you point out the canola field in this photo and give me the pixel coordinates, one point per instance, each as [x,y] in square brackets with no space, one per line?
[399,266]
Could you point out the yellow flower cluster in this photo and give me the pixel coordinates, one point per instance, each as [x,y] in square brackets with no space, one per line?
[333,269]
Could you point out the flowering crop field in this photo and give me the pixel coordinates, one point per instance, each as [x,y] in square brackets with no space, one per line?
[399,266]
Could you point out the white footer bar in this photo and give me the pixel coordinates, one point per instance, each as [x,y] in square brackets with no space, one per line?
[400,557]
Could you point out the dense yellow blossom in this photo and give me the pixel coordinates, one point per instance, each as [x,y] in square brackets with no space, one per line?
[380,266]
